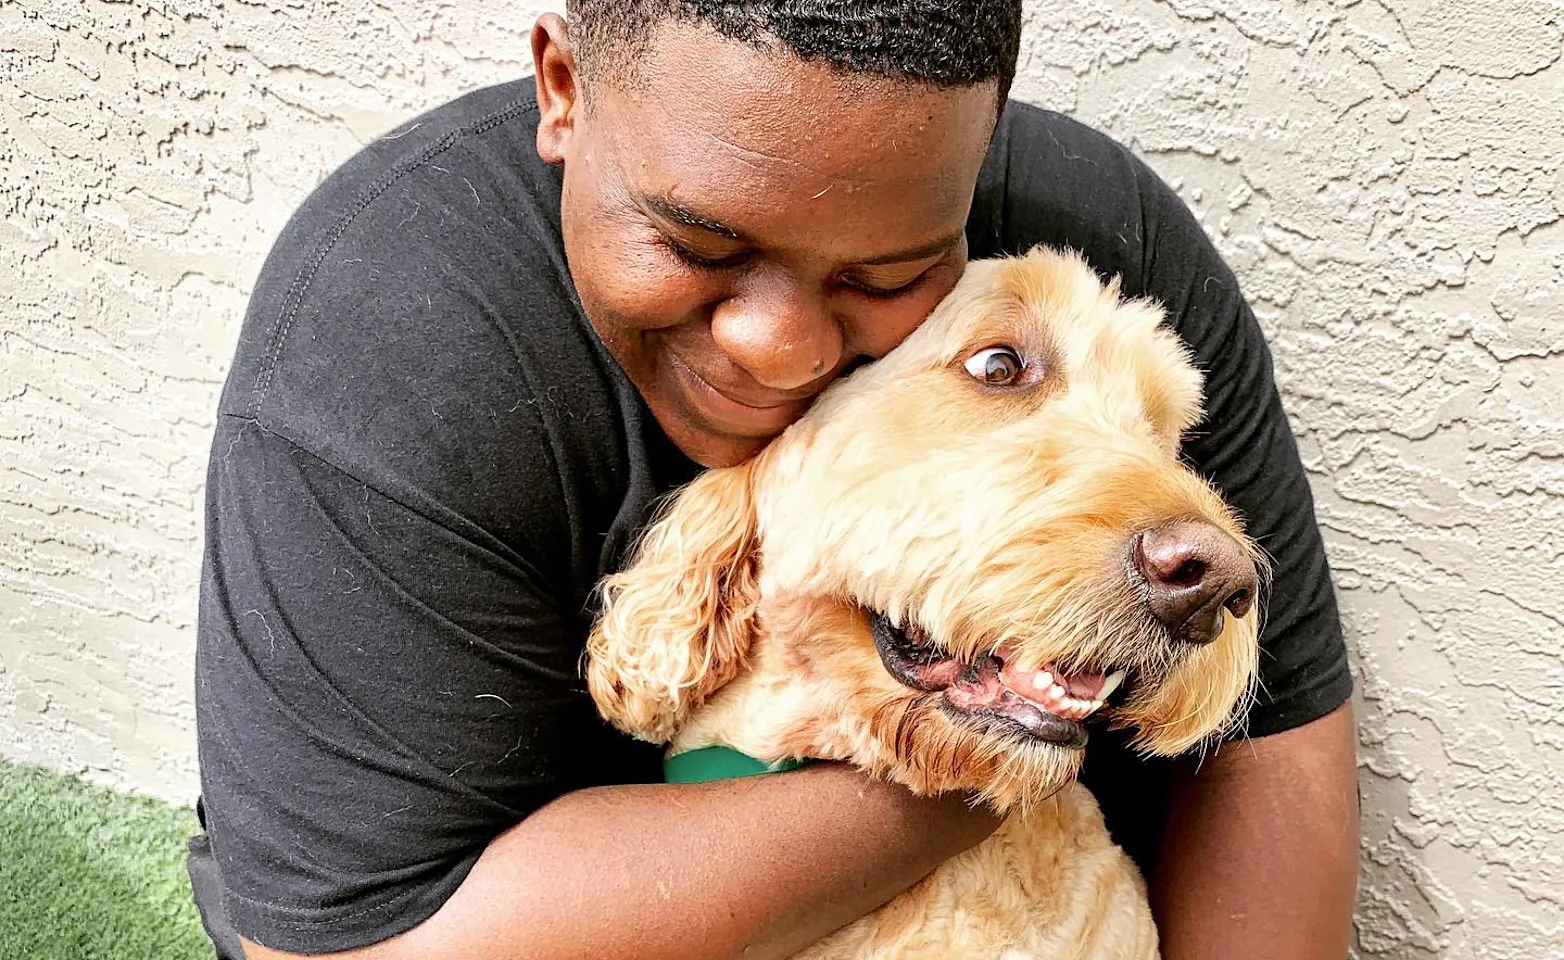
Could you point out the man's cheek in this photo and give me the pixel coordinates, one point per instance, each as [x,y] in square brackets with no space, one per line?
[881,331]
[642,293]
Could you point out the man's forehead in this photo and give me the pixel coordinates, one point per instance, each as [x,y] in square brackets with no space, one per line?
[684,162]
[761,102]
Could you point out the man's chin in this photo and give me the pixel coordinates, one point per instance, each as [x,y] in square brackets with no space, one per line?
[708,443]
[712,450]
[713,438]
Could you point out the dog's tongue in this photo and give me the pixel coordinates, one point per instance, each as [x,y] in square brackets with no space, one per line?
[1082,686]
[1035,684]
[982,682]
[984,688]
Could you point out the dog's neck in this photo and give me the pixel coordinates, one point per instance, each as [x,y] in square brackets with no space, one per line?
[777,708]
[762,713]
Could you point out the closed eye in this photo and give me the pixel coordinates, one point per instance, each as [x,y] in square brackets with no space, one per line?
[699,261]
[870,290]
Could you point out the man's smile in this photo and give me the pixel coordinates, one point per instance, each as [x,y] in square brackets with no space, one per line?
[745,412]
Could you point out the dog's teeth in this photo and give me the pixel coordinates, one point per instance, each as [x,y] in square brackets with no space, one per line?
[1043,681]
[1057,692]
[1110,684]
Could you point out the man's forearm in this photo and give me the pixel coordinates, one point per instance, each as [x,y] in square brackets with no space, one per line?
[761,866]
[1261,855]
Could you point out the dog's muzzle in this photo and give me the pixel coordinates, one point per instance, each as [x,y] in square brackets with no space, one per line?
[1042,705]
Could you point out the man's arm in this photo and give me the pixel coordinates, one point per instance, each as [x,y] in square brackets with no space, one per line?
[379,699]
[759,867]
[1260,859]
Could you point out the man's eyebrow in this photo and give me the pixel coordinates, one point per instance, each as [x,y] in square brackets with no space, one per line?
[679,213]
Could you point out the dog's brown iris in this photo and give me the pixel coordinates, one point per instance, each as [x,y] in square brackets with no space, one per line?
[997,366]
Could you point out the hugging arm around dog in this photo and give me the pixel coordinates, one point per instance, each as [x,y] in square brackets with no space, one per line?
[482,351]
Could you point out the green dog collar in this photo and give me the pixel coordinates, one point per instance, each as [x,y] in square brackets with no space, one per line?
[720,763]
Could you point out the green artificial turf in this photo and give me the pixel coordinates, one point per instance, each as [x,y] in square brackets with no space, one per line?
[88,873]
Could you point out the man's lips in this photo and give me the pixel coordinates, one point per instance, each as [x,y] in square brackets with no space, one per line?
[749,415]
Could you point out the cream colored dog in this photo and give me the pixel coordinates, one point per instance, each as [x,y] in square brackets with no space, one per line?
[962,553]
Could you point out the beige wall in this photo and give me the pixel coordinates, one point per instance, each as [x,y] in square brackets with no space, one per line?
[1385,177]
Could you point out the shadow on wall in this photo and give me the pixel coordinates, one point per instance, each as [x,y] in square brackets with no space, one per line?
[89,874]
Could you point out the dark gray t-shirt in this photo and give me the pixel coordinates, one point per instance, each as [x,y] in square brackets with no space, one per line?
[424,461]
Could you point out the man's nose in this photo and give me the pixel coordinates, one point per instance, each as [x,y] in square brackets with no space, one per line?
[783,336]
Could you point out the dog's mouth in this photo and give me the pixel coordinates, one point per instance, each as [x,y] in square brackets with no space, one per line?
[1047,705]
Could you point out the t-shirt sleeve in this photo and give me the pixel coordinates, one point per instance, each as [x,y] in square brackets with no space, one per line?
[1069,185]
[382,689]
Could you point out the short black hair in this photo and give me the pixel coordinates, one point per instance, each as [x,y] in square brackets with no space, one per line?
[943,43]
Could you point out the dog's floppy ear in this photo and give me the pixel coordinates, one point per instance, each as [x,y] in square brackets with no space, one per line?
[677,623]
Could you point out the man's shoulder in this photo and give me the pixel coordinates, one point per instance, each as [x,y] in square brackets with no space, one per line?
[1048,178]
[431,260]
[415,325]
[1071,140]
[457,130]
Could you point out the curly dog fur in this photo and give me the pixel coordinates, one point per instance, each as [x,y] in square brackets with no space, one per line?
[990,514]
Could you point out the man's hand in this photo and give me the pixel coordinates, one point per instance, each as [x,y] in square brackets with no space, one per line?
[1260,861]
[760,867]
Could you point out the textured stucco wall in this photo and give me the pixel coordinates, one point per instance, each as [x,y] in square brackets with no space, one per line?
[1385,177]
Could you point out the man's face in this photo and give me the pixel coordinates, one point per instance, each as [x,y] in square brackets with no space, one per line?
[742,226]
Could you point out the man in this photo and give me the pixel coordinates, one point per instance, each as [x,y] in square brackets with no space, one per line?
[485,346]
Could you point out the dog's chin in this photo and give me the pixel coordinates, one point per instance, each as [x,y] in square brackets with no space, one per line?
[989,694]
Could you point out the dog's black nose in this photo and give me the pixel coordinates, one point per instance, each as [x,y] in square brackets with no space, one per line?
[1193,571]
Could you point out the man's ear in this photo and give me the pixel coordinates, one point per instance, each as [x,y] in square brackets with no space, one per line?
[677,624]
[559,86]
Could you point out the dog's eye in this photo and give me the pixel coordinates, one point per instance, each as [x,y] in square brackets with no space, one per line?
[995,365]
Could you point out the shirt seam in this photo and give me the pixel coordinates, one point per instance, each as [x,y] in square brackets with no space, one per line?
[327,461]
[293,299]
